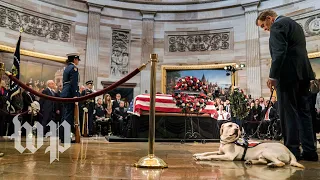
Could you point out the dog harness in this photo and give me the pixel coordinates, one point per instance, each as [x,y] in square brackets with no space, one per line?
[246,144]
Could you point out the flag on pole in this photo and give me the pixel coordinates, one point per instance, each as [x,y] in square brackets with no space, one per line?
[15,70]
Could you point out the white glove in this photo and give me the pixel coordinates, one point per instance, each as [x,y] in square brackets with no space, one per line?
[34,108]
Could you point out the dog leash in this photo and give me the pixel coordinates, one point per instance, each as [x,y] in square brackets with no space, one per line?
[272,90]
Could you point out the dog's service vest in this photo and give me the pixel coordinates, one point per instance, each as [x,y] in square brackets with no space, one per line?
[246,144]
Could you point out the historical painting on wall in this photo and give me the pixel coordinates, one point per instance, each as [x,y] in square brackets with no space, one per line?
[315,63]
[37,71]
[218,80]
[120,53]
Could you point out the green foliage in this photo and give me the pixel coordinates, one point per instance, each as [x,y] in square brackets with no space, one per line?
[239,104]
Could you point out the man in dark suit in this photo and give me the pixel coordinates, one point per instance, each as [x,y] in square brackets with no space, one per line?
[116,102]
[47,107]
[70,90]
[120,117]
[270,115]
[290,74]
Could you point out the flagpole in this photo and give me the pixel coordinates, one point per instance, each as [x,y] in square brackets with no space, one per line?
[21,30]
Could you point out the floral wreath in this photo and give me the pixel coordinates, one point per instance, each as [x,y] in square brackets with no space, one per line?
[194,103]
[239,103]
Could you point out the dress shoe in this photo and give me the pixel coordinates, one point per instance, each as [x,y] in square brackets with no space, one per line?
[310,156]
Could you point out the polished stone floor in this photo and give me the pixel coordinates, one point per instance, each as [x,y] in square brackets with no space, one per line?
[95,158]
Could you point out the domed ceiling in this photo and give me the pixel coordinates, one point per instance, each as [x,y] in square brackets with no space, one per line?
[170,1]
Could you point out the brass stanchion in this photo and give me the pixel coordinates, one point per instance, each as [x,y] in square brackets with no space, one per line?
[1,71]
[151,161]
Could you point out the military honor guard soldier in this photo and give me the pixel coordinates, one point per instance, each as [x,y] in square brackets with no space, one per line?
[90,105]
[70,89]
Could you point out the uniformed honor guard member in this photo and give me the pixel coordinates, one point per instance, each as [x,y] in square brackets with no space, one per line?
[89,104]
[70,90]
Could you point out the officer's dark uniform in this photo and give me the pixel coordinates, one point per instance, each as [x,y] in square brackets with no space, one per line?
[89,104]
[70,90]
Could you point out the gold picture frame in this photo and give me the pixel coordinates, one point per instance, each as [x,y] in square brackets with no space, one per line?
[165,68]
[34,54]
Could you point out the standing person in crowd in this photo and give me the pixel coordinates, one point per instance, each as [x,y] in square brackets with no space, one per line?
[70,90]
[3,108]
[290,74]
[89,104]
[58,105]
[312,101]
[28,98]
[47,107]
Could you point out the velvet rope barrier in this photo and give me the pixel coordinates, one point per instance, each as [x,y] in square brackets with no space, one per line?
[77,99]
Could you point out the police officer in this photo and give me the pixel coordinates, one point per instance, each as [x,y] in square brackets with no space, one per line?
[89,104]
[70,89]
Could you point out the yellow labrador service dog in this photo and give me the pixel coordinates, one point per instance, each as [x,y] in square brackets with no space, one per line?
[272,154]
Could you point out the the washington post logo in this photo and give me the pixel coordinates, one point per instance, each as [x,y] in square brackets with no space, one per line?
[54,147]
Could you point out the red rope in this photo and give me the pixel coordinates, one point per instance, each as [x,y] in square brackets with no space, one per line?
[79,99]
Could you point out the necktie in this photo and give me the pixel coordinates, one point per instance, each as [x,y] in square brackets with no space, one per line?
[267,115]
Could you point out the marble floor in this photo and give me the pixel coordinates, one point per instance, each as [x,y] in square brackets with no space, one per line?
[95,158]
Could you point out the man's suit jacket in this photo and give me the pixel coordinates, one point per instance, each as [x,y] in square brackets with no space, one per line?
[273,115]
[120,112]
[47,107]
[287,45]
[28,98]
[115,104]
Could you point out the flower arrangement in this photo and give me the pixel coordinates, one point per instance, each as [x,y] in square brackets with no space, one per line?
[239,104]
[190,94]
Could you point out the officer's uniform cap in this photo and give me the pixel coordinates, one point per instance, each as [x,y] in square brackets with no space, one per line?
[89,82]
[72,56]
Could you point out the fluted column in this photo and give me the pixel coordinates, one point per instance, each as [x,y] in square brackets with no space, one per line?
[147,47]
[252,48]
[93,36]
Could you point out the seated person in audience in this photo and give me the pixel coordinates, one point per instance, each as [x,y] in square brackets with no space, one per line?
[218,102]
[223,116]
[270,115]
[262,102]
[100,118]
[119,118]
[253,118]
[274,103]
[107,104]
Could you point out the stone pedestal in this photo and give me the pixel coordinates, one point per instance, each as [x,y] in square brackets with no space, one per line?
[92,50]
[253,48]
[146,47]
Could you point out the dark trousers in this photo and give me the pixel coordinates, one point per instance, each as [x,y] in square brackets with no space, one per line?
[295,116]
[68,116]
[90,120]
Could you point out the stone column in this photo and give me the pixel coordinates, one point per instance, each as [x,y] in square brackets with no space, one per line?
[93,36]
[146,47]
[252,48]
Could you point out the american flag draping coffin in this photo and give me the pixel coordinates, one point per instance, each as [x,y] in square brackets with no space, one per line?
[166,104]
